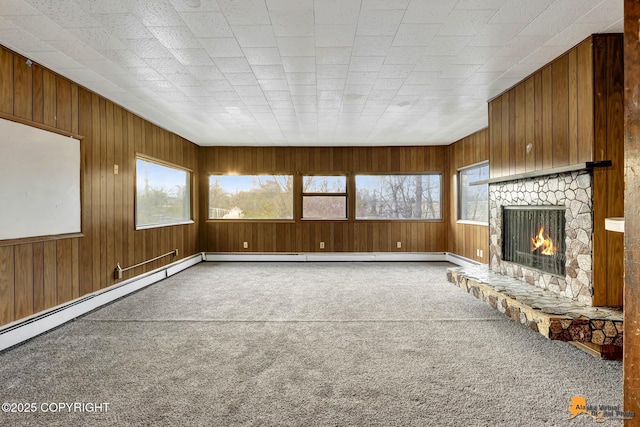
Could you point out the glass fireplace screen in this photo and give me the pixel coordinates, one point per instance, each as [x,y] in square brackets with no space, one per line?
[534,236]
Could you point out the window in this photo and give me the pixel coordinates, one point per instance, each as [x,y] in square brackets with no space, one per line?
[324,197]
[398,196]
[473,199]
[163,194]
[251,197]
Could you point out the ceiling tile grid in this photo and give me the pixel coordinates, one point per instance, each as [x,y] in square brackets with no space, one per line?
[303,72]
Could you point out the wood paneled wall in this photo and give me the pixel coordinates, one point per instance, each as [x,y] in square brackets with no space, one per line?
[305,236]
[465,239]
[38,275]
[546,120]
[570,112]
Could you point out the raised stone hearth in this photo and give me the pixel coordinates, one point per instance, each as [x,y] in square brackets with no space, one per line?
[572,190]
[553,316]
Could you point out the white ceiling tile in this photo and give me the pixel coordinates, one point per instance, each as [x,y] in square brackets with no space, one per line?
[207,25]
[302,90]
[98,38]
[240,78]
[175,37]
[388,84]
[382,95]
[182,79]
[254,35]
[226,47]
[395,71]
[277,95]
[274,85]
[191,6]
[384,4]
[372,46]
[357,89]
[427,11]
[521,45]
[483,78]
[16,7]
[301,78]
[226,96]
[166,65]
[480,4]
[496,34]
[553,19]
[219,86]
[465,22]
[498,63]
[356,77]
[572,35]
[289,5]
[333,55]
[103,7]
[335,35]
[232,65]
[415,34]
[148,48]
[296,46]
[248,91]
[292,23]
[145,73]
[422,77]
[192,57]
[23,42]
[65,13]
[41,27]
[301,64]
[459,71]
[262,55]
[333,71]
[331,84]
[124,25]
[245,12]
[379,22]
[254,100]
[155,13]
[268,72]
[475,54]
[336,11]
[448,45]
[366,63]
[519,12]
[210,72]
[81,52]
[57,60]
[405,55]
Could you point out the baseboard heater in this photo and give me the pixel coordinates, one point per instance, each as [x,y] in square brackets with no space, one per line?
[30,327]
[340,256]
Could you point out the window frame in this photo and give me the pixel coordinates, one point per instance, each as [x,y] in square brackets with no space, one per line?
[190,180]
[459,219]
[441,201]
[344,194]
[272,220]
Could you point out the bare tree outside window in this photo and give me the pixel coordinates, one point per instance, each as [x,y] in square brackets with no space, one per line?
[399,196]
[473,198]
[251,197]
[324,197]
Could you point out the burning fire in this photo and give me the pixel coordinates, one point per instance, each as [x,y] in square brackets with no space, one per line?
[544,243]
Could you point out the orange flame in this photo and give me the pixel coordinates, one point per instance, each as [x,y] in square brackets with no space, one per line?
[545,243]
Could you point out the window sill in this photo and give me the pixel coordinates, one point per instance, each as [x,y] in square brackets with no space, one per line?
[169,224]
[469,222]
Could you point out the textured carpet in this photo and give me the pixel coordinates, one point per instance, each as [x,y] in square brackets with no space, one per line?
[303,344]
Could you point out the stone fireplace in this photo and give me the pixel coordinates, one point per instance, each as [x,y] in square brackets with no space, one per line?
[556,207]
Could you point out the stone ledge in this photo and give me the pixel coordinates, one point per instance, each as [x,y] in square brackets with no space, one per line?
[552,316]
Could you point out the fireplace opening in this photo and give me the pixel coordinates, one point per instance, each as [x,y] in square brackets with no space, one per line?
[534,236]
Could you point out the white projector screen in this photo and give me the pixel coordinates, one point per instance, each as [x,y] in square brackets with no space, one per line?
[39,182]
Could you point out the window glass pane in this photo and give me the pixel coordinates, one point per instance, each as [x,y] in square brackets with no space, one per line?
[398,196]
[250,197]
[324,184]
[473,199]
[324,207]
[163,194]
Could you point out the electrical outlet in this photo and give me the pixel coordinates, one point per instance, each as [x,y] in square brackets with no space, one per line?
[115,169]
[245,245]
[321,245]
[481,253]
[399,245]
[477,252]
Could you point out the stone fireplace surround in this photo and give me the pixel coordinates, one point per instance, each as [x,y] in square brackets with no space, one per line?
[572,190]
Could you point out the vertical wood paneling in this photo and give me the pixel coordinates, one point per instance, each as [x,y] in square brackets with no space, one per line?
[23,89]
[40,275]
[23,280]
[585,101]
[6,82]
[560,91]
[7,275]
